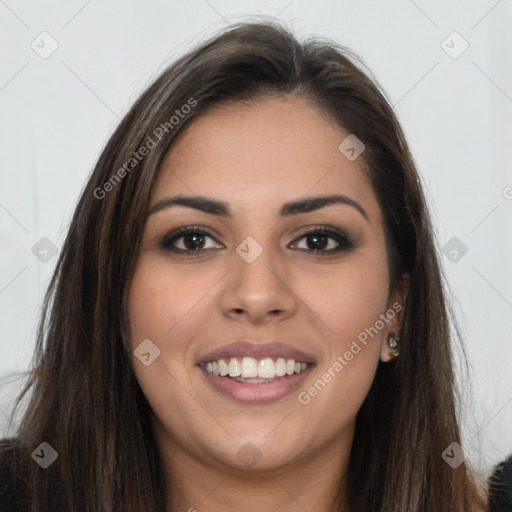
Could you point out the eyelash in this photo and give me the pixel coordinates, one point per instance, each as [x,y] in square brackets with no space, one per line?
[345,243]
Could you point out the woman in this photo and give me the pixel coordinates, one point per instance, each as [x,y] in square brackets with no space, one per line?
[248,310]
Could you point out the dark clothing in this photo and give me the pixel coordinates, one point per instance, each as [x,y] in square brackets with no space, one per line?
[500,487]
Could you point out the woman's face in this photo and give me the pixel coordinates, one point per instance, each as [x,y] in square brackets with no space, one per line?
[249,293]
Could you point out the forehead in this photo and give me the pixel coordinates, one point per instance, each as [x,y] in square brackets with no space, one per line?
[266,151]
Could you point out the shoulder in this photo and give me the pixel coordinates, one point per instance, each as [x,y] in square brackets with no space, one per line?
[500,487]
[11,492]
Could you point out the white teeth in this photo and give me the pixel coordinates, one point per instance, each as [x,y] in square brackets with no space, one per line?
[249,369]
[223,368]
[280,367]
[234,367]
[266,369]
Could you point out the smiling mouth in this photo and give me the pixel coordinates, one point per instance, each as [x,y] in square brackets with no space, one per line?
[250,370]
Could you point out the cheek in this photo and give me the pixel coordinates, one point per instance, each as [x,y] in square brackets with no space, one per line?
[359,302]
[350,302]
[159,299]
[348,299]
[158,303]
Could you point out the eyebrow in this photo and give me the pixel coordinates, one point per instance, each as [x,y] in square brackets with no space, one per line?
[215,207]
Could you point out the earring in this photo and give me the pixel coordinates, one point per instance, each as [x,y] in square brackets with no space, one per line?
[393,345]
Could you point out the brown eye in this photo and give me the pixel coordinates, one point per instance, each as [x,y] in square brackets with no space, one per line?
[187,240]
[326,240]
[193,240]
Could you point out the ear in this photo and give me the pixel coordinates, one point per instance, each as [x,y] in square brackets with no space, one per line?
[395,314]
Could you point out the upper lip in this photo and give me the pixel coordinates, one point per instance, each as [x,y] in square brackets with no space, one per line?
[257,350]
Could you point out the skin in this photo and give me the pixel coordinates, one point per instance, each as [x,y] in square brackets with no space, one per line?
[256,157]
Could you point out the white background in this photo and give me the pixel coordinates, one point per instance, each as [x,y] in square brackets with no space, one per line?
[57,113]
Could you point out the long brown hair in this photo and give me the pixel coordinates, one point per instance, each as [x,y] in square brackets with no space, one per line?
[85,401]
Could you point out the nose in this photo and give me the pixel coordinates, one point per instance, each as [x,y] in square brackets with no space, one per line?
[258,292]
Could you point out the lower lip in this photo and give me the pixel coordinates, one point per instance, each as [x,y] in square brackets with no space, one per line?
[257,393]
